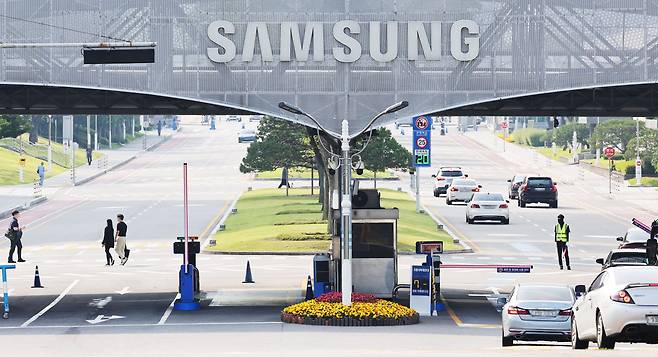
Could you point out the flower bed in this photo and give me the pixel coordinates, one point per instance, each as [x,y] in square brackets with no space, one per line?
[366,310]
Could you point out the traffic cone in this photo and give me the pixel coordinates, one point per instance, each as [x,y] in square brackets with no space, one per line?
[37,280]
[247,278]
[309,289]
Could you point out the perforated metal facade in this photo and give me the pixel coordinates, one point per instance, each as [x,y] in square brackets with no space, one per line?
[525,47]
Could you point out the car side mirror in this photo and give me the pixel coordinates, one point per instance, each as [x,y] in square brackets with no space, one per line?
[580,290]
[465,175]
[507,201]
[600,261]
[479,186]
[433,176]
[620,239]
[555,183]
[501,301]
[509,180]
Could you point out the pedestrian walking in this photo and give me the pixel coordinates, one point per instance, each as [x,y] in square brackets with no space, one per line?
[562,232]
[652,245]
[108,242]
[15,235]
[284,178]
[90,154]
[159,127]
[120,240]
[41,171]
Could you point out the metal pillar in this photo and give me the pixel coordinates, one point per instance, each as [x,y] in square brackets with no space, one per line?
[346,217]
[50,147]
[88,131]
[95,132]
[109,136]
[417,178]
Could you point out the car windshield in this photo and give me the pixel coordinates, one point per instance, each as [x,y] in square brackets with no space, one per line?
[636,275]
[629,257]
[540,182]
[636,235]
[464,183]
[518,179]
[544,293]
[496,197]
[451,173]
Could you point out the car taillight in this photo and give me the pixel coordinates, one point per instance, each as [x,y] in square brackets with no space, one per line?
[504,205]
[440,179]
[513,310]
[553,188]
[475,205]
[454,189]
[476,190]
[566,312]
[524,188]
[622,296]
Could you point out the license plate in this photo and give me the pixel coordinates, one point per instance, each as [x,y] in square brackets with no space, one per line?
[543,313]
[652,319]
[540,189]
[489,207]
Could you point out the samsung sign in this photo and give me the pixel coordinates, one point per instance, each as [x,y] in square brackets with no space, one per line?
[421,45]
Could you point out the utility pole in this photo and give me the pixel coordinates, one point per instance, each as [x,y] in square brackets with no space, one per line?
[88,131]
[109,135]
[638,162]
[96,132]
[50,147]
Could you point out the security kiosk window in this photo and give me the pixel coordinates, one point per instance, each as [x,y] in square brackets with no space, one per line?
[373,240]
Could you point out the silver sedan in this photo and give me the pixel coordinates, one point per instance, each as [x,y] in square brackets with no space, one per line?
[537,313]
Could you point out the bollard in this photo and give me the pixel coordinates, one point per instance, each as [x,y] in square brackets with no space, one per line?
[309,289]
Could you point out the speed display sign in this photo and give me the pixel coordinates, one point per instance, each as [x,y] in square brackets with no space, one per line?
[422,141]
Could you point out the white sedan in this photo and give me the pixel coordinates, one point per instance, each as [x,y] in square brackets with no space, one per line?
[621,305]
[487,207]
[461,190]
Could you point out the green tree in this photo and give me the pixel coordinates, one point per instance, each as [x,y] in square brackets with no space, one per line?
[563,135]
[384,152]
[615,132]
[12,126]
[279,144]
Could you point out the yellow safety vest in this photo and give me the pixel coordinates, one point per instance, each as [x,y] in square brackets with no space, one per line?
[561,233]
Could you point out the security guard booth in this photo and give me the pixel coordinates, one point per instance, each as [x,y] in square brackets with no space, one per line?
[374,246]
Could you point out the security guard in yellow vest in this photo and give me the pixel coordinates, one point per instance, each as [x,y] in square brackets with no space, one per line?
[562,231]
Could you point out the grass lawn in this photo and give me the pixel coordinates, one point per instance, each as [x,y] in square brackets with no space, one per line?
[268,221]
[306,174]
[559,153]
[620,165]
[9,168]
[646,181]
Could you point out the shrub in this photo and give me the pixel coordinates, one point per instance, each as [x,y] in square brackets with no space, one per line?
[306,236]
[530,136]
[359,310]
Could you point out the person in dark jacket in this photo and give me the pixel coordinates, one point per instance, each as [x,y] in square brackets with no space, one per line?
[108,242]
[652,245]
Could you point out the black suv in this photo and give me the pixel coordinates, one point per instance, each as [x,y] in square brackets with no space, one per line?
[538,190]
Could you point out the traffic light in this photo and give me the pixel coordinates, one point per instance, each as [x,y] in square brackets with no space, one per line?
[556,122]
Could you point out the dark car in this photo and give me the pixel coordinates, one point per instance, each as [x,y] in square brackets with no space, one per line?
[537,189]
[514,184]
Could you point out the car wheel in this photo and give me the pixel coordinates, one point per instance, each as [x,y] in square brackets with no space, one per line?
[448,202]
[602,340]
[521,203]
[437,193]
[506,340]
[553,204]
[576,342]
[504,221]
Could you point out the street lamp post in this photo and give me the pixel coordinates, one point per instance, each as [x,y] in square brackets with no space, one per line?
[638,163]
[50,147]
[346,189]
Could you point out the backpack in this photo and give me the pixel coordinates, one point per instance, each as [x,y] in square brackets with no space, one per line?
[9,234]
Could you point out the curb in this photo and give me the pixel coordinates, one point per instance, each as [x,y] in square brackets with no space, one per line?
[122,163]
[316,179]
[221,221]
[467,248]
[23,207]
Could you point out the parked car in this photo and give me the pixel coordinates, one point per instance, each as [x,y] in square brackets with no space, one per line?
[513,187]
[487,207]
[444,178]
[624,257]
[461,190]
[537,189]
[247,136]
[537,313]
[634,238]
[234,118]
[621,305]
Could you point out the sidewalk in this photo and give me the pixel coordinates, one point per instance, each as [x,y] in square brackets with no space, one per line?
[623,201]
[21,197]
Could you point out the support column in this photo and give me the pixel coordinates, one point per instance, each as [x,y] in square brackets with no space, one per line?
[346,218]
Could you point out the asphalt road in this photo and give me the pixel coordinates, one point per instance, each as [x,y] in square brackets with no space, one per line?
[88,309]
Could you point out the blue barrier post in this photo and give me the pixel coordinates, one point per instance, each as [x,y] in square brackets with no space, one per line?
[5,300]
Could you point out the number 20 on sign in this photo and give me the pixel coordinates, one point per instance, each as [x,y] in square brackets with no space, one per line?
[421,141]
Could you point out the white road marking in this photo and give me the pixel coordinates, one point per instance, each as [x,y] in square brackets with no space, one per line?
[508,258]
[123,291]
[534,258]
[507,235]
[51,305]
[167,312]
[484,258]
[101,303]
[103,318]
[80,253]
[535,224]
[600,236]
[151,325]
[544,230]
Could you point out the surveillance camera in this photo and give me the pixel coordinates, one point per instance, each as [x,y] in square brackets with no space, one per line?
[358,166]
[333,164]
